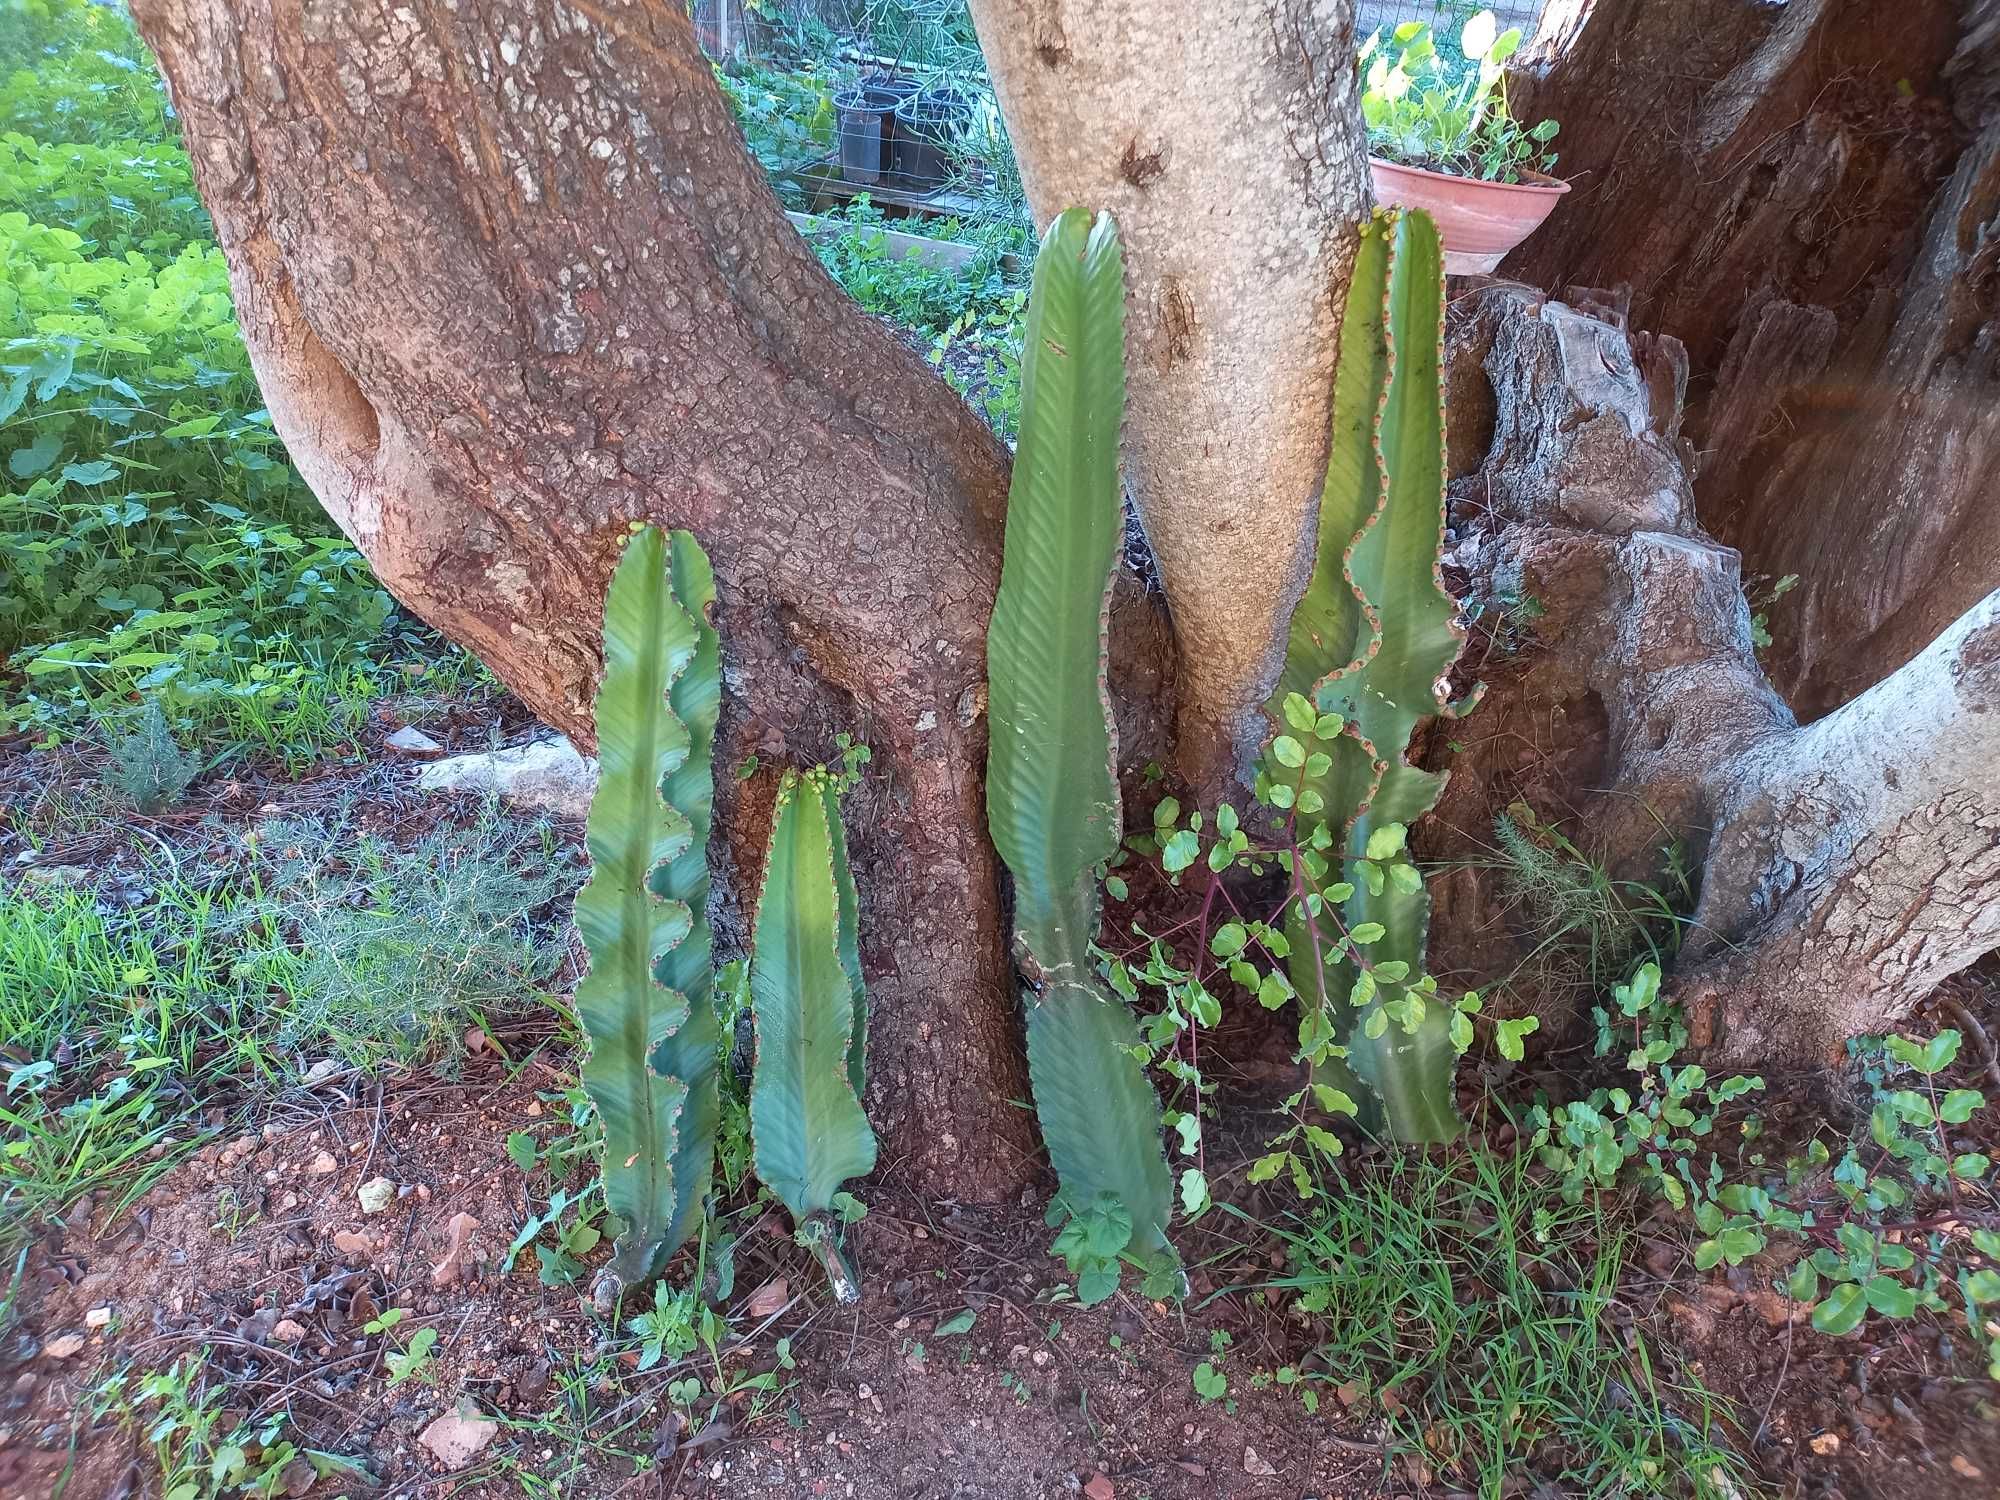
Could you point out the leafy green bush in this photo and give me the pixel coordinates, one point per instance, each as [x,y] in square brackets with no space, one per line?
[787,117]
[154,540]
[910,290]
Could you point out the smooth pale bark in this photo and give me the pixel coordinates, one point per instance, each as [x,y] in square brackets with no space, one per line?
[510,282]
[1224,138]
[1843,868]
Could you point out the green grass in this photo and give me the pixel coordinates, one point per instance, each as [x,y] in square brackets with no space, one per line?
[123,1022]
[1480,1318]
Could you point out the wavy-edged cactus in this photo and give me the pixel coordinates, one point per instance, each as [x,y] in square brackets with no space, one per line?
[808,1131]
[645,1003]
[1372,641]
[1051,788]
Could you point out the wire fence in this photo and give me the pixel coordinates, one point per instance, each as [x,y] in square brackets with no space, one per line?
[1445,16]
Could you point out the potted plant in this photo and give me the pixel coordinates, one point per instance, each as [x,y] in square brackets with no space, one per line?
[866,113]
[1441,138]
[927,131]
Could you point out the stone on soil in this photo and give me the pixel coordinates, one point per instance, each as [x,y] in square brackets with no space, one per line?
[548,776]
[413,743]
[457,1437]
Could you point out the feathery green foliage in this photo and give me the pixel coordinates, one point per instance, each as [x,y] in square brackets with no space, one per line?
[808,1131]
[1371,643]
[1052,790]
[645,1003]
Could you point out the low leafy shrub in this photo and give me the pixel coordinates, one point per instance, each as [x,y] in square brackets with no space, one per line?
[787,116]
[1857,1230]
[154,540]
[910,290]
[389,954]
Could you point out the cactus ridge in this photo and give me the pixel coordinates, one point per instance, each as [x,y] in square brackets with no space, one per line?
[808,1130]
[645,1003]
[1376,640]
[1052,790]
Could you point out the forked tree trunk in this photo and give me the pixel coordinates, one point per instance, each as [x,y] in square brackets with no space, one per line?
[1225,139]
[510,281]
[1807,196]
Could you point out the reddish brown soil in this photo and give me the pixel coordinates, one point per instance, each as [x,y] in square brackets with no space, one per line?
[1035,1400]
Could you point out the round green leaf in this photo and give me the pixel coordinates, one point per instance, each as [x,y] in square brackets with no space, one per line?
[1890,1297]
[1841,1311]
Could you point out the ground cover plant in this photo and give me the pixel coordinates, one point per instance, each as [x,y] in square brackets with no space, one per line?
[304,1180]
[154,541]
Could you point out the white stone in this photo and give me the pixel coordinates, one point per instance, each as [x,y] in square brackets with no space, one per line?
[456,1438]
[548,776]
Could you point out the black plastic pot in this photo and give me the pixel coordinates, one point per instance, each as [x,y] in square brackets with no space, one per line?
[927,130]
[867,125]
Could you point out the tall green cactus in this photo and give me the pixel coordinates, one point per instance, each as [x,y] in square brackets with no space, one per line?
[645,1003]
[1052,790]
[808,1131]
[1375,636]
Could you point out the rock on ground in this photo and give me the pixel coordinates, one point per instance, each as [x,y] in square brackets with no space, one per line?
[548,776]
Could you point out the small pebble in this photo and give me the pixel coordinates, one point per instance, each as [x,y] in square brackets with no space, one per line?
[97,1317]
[376,1194]
[352,1244]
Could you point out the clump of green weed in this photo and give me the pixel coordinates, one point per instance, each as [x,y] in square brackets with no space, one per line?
[115,1016]
[204,1447]
[148,767]
[1589,926]
[1479,1318]
[153,537]
[389,953]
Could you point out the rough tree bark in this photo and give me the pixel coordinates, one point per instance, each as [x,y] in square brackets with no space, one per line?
[510,281]
[1845,867]
[1224,138]
[1807,196]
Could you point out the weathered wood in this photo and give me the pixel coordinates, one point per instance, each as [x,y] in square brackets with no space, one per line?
[1789,193]
[1842,869]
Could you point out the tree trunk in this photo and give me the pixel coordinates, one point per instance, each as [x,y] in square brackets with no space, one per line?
[510,282]
[1844,868]
[1225,140]
[1807,196]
